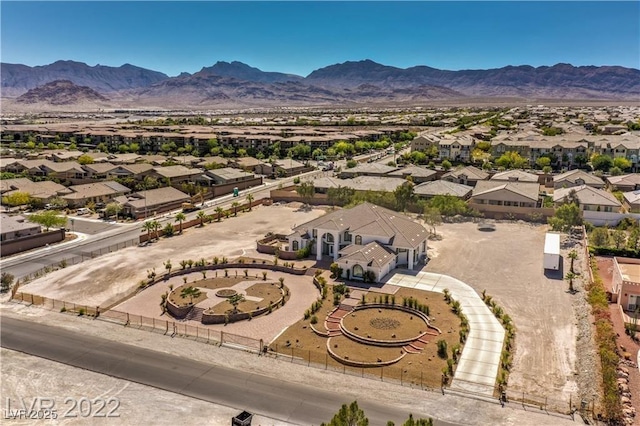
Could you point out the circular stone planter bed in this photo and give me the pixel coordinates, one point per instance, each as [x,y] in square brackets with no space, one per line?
[384,324]
[226,292]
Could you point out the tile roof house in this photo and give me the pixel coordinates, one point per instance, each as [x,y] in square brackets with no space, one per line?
[355,260]
[632,201]
[577,178]
[43,191]
[105,192]
[468,175]
[630,182]
[367,169]
[418,174]
[429,190]
[12,227]
[515,176]
[591,199]
[506,193]
[401,240]
[176,174]
[148,203]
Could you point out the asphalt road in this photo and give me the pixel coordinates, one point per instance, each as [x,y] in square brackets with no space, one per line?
[262,395]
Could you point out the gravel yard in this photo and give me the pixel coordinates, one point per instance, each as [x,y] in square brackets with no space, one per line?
[107,279]
[508,263]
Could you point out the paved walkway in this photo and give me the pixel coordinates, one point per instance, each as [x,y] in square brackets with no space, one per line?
[478,366]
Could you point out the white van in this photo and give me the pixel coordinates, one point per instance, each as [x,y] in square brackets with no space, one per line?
[83,211]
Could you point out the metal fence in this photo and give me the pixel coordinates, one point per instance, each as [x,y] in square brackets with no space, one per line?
[74,260]
[310,358]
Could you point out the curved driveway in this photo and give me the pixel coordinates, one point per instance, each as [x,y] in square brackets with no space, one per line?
[478,366]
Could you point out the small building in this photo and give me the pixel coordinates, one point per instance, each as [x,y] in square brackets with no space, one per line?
[13,227]
[99,192]
[626,283]
[552,251]
[632,201]
[227,175]
[356,260]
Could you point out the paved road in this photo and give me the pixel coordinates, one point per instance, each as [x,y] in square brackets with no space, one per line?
[262,395]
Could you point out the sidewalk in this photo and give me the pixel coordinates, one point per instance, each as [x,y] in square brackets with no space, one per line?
[478,366]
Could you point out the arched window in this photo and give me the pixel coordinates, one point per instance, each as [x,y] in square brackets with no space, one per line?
[359,240]
[295,246]
[329,238]
[358,271]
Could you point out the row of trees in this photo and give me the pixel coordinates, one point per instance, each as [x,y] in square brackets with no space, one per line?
[353,415]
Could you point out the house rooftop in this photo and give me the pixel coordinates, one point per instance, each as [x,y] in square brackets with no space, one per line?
[574,175]
[470,172]
[442,187]
[588,195]
[414,171]
[515,175]
[370,219]
[529,190]
[372,254]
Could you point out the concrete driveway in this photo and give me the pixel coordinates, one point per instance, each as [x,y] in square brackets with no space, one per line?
[478,366]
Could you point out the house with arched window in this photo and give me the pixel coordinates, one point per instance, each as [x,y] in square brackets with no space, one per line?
[364,238]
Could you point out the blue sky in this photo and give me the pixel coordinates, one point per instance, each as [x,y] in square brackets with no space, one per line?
[298,37]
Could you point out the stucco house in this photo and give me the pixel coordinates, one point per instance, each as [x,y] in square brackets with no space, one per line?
[468,175]
[591,199]
[626,283]
[577,178]
[364,238]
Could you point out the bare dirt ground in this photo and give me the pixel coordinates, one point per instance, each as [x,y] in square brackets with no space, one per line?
[108,278]
[508,263]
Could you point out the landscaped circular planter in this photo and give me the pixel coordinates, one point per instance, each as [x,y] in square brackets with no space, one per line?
[387,325]
[226,292]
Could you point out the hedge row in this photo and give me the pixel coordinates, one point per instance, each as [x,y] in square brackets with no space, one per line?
[606,344]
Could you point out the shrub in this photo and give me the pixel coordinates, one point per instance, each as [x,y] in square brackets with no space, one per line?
[63,309]
[314,320]
[442,349]
[307,314]
[447,295]
[264,276]
[226,273]
[81,312]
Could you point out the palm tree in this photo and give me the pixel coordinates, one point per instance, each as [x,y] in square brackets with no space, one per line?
[201,216]
[573,255]
[219,211]
[570,277]
[156,227]
[190,292]
[147,226]
[235,206]
[179,218]
[249,200]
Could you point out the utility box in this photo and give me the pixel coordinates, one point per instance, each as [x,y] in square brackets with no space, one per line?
[242,419]
[552,251]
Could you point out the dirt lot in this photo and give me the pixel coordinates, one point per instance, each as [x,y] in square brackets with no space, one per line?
[107,279]
[508,263]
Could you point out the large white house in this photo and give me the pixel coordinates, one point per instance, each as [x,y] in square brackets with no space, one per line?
[364,238]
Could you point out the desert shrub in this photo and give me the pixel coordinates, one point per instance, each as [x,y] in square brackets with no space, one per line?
[442,349]
[314,320]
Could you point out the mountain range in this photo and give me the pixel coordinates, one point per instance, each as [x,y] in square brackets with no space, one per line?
[235,84]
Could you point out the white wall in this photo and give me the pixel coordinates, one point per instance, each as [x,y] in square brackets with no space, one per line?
[606,218]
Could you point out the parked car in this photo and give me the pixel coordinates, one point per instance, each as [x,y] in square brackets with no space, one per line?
[83,211]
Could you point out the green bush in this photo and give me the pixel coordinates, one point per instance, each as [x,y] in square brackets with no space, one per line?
[442,349]
[314,320]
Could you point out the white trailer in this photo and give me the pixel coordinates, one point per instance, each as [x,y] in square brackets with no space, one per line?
[552,251]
